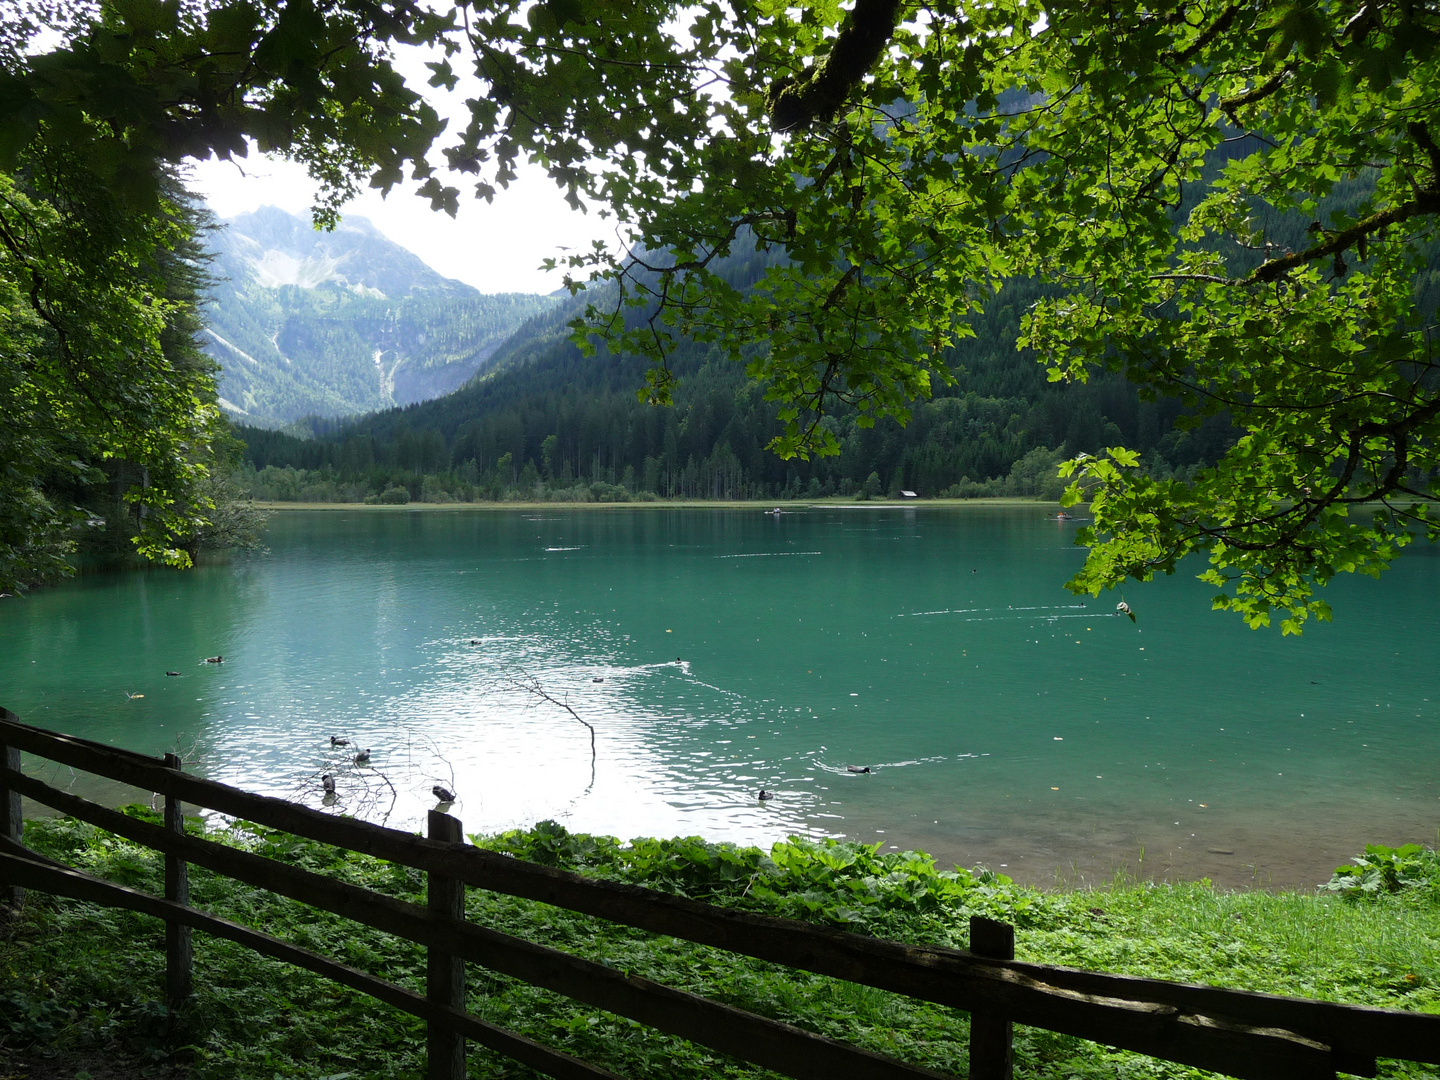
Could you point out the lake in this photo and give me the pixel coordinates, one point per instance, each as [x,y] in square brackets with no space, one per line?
[716,652]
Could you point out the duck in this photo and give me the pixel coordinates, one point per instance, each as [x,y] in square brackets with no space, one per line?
[598,678]
[857,768]
[764,795]
[173,674]
[474,641]
[214,659]
[363,757]
[335,740]
[442,793]
[328,783]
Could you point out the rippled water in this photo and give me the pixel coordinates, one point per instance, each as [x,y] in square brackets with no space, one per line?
[716,652]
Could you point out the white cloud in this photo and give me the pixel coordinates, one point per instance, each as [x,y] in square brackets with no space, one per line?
[496,247]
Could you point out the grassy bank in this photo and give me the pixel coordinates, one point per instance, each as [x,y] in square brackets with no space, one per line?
[81,978]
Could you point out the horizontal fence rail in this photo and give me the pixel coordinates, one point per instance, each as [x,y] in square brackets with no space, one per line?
[32,871]
[1244,1034]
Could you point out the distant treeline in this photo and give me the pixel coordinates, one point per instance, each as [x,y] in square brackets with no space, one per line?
[549,423]
[553,424]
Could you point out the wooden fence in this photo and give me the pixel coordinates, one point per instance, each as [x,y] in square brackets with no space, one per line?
[1244,1034]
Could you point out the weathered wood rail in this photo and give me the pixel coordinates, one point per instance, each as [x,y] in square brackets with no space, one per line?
[1244,1034]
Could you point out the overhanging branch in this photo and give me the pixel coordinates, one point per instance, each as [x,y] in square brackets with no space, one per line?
[818,93]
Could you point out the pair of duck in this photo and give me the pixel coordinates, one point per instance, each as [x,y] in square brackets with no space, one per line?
[207,660]
[766,796]
[443,794]
[362,758]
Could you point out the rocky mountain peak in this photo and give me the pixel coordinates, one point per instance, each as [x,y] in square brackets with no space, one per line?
[271,248]
[305,322]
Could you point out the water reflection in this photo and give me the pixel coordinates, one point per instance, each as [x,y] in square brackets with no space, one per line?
[716,653]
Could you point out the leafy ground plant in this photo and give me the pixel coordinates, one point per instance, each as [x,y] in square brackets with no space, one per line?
[78,978]
[1409,869]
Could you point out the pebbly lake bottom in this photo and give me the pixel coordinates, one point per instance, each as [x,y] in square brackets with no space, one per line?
[718,652]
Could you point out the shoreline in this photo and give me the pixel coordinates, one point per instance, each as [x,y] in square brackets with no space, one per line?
[1050,863]
[659,504]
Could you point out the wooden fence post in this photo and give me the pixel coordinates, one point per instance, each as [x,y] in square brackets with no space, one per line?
[12,820]
[445,973]
[178,955]
[991,1034]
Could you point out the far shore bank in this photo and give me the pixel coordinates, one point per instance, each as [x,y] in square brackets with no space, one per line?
[684,504]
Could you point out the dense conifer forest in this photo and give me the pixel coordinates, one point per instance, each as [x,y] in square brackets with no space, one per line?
[546,422]
[550,423]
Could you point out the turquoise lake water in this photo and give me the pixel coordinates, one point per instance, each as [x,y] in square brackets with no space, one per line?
[718,652]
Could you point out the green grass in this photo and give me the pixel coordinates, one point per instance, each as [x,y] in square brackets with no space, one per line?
[80,977]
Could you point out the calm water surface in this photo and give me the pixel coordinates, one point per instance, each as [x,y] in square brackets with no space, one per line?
[716,652]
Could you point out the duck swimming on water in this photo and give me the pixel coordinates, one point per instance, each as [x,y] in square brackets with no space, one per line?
[857,768]
[214,659]
[328,783]
[764,795]
[335,740]
[363,757]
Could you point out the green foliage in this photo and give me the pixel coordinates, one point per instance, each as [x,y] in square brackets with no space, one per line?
[1409,868]
[1232,208]
[100,265]
[842,883]
[393,496]
[139,84]
[83,977]
[576,420]
[110,406]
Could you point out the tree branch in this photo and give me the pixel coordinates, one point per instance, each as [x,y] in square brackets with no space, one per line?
[1426,201]
[819,92]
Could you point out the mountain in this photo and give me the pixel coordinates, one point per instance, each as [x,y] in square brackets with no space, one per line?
[333,324]
[545,421]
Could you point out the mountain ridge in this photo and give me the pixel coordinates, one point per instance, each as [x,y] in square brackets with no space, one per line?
[304,322]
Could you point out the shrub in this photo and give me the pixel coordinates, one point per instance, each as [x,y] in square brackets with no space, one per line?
[1410,868]
[831,881]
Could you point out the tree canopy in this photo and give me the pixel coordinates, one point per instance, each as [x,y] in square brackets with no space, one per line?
[1233,204]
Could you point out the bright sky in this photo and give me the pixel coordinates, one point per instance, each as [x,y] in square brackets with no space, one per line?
[495,247]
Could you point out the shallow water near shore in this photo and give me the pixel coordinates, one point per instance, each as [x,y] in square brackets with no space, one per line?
[716,652]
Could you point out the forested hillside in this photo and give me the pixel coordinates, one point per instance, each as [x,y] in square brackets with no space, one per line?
[547,422]
[343,322]
[551,423]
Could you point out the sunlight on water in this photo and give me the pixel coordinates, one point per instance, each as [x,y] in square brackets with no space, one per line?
[716,653]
